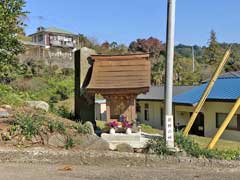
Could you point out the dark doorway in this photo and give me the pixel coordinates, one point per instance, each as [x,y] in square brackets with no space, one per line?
[198,125]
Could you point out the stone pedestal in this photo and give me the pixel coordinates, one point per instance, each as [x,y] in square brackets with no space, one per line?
[134,140]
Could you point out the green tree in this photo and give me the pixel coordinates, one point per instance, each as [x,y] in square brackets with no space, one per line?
[83,41]
[183,72]
[11,24]
[114,45]
[212,53]
[157,73]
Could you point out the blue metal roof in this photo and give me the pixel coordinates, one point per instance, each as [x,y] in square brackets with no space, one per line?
[224,89]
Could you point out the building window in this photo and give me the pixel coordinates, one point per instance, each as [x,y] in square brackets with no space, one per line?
[146,112]
[138,108]
[234,123]
[40,38]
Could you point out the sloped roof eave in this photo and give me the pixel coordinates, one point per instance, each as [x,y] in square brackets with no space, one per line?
[120,72]
[224,90]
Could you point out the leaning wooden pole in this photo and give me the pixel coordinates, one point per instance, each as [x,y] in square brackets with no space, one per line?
[224,125]
[206,92]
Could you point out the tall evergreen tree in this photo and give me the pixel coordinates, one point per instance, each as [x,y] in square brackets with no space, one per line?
[212,52]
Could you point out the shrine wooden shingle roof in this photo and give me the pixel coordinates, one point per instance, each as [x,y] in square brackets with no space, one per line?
[120,72]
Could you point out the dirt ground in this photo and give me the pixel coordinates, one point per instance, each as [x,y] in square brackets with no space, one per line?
[28,171]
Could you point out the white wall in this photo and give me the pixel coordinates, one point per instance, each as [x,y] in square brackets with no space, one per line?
[209,110]
[154,113]
[103,112]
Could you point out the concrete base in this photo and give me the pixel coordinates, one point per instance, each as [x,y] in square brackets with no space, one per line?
[135,140]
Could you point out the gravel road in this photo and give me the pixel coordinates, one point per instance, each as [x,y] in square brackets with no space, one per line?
[28,171]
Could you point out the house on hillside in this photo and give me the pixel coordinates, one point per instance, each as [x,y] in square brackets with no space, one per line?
[221,99]
[54,37]
[150,106]
[52,45]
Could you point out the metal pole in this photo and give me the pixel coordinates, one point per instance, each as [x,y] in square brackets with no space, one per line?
[169,127]
[193,59]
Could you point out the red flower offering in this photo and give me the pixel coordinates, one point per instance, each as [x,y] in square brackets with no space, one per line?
[126,124]
[113,124]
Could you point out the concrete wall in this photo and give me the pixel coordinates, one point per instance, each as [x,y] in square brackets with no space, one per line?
[182,115]
[61,57]
[154,113]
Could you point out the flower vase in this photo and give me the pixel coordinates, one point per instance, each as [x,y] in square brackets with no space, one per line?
[112,131]
[128,131]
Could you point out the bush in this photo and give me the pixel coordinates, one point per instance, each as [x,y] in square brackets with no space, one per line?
[55,126]
[63,112]
[188,145]
[86,128]
[158,145]
[9,96]
[63,92]
[29,84]
[28,124]
[67,71]
[69,143]
[191,148]
[54,99]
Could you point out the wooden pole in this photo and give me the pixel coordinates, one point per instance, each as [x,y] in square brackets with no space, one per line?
[206,92]
[224,125]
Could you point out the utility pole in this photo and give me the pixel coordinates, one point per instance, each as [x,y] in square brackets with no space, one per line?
[169,126]
[193,59]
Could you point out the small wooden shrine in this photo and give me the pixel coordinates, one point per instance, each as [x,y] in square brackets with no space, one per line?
[119,79]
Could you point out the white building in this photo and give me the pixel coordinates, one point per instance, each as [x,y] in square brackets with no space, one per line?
[150,106]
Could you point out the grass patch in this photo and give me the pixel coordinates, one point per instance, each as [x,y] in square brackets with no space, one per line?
[221,145]
[150,130]
[9,96]
[43,88]
[101,124]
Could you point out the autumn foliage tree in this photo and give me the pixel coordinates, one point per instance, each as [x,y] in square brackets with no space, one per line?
[151,45]
[105,45]
[155,48]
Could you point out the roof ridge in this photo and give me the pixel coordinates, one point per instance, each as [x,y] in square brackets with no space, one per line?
[233,77]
